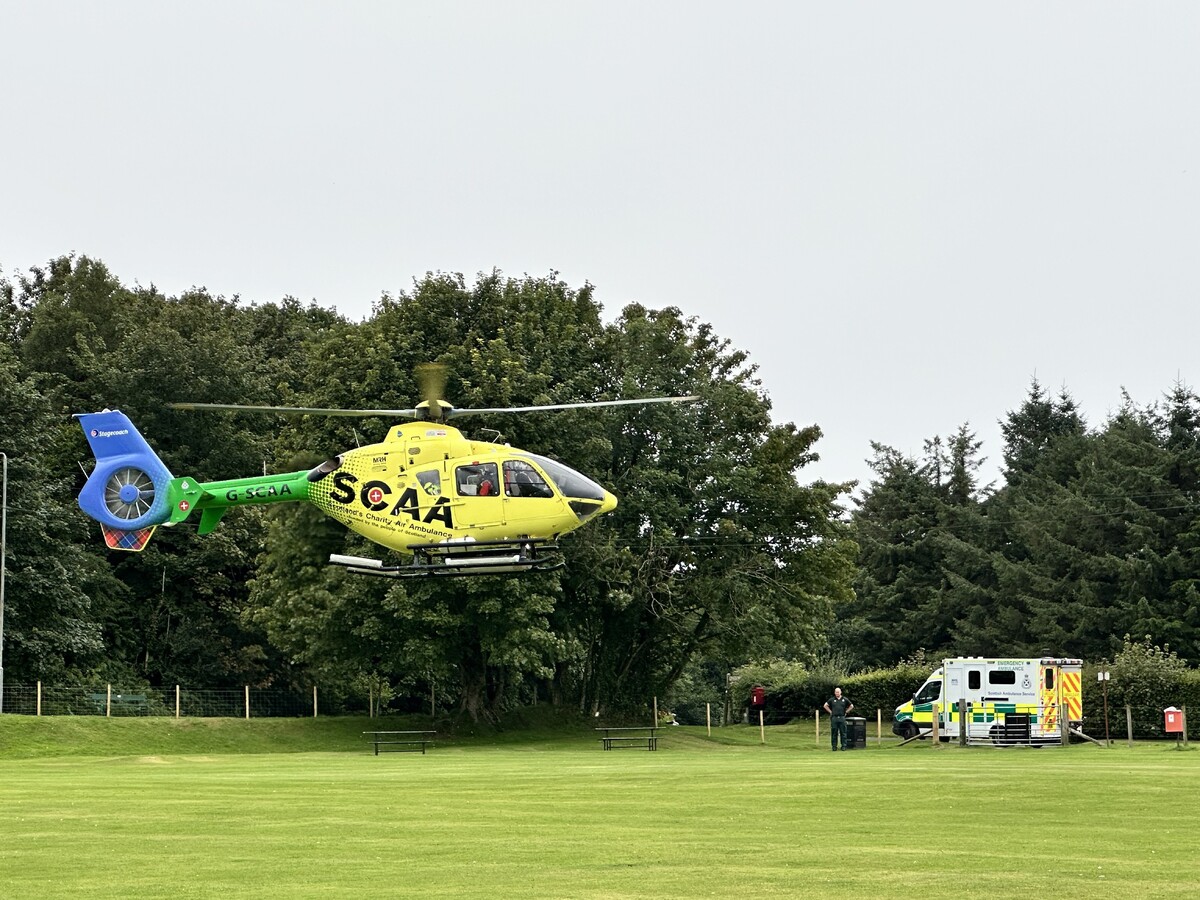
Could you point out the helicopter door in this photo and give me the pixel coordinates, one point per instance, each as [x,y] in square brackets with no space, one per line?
[479,500]
[524,481]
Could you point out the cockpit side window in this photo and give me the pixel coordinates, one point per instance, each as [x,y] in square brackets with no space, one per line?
[477,480]
[430,482]
[523,480]
[569,482]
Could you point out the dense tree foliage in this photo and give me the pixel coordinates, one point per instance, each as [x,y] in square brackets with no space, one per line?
[56,592]
[718,555]
[1092,536]
[715,550]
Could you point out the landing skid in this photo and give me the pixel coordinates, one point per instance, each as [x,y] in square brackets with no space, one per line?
[509,557]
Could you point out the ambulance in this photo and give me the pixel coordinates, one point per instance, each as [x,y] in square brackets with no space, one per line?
[1008,701]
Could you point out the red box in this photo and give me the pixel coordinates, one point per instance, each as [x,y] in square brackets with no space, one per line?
[1174,720]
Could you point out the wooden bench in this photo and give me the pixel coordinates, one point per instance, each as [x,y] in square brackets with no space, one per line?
[617,738]
[400,741]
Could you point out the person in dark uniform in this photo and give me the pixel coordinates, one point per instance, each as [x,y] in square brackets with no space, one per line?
[838,708]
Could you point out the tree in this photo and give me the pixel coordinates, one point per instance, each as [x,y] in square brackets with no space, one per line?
[899,564]
[715,547]
[173,612]
[1090,539]
[503,342]
[923,565]
[962,487]
[1034,431]
[53,586]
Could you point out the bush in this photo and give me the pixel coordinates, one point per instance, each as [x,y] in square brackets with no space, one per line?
[781,678]
[1148,678]
[885,689]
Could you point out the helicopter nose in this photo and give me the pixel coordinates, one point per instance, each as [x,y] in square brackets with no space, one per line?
[609,503]
[593,506]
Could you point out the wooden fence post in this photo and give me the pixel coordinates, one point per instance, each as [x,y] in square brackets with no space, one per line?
[177,701]
[879,727]
[762,731]
[655,722]
[935,731]
[247,701]
[108,702]
[817,720]
[39,703]
[708,717]
[314,701]
[1183,714]
[1129,724]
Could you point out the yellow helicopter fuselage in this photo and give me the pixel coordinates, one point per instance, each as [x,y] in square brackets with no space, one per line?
[425,483]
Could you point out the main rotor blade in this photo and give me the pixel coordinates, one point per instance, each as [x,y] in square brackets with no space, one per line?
[298,410]
[449,412]
[454,413]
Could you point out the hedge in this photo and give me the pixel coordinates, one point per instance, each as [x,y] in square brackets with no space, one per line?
[792,692]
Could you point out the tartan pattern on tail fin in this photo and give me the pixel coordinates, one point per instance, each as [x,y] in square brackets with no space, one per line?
[126,540]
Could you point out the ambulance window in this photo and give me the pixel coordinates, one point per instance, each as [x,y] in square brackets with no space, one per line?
[1002,676]
[929,693]
[1049,679]
[973,680]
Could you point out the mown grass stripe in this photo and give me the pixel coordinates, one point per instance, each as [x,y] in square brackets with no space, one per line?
[546,814]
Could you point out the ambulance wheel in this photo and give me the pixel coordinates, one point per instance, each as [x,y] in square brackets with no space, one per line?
[908,730]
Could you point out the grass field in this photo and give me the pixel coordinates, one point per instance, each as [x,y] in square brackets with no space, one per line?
[202,808]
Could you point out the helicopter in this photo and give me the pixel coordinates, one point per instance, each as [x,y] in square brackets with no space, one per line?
[456,506]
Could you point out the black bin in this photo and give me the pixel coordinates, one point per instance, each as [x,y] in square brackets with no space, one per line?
[856,733]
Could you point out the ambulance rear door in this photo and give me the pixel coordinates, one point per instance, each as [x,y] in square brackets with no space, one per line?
[966,685]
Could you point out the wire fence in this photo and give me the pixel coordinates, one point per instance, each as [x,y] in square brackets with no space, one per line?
[110,700]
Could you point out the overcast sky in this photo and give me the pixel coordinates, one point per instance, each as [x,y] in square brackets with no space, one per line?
[902,211]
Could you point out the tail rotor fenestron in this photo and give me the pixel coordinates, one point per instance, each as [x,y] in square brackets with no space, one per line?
[129,493]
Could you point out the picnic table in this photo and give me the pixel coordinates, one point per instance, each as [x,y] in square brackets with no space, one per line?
[635,736]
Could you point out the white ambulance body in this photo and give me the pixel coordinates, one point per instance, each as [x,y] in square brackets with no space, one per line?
[1006,700]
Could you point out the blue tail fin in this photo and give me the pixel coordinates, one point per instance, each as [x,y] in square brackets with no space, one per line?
[127,491]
